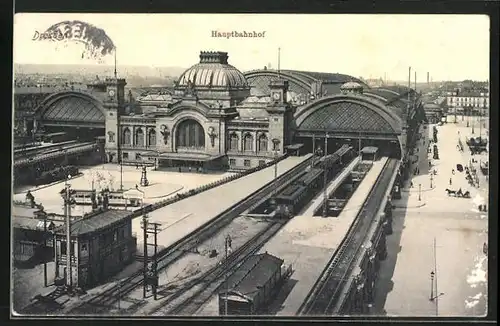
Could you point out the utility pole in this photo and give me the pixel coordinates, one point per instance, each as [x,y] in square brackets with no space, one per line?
[279,63]
[359,144]
[227,246]
[145,248]
[150,273]
[45,281]
[325,195]
[67,206]
[313,149]
[436,276]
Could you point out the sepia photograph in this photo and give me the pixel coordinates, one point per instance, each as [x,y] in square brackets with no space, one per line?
[250,165]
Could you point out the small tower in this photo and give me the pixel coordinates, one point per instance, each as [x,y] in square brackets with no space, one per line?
[279,89]
[114,103]
[280,114]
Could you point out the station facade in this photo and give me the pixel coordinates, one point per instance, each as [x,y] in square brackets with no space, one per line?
[218,117]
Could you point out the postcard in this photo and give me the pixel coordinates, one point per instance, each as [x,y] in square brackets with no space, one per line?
[244,164]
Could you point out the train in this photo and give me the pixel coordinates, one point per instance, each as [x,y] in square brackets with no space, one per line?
[55,137]
[294,197]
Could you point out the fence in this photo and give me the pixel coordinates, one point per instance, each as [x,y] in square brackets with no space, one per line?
[195,191]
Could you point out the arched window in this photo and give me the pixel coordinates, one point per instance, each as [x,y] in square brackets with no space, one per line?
[248,142]
[190,134]
[233,142]
[263,143]
[152,137]
[139,137]
[126,137]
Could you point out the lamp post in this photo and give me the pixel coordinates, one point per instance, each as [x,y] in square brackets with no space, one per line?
[325,195]
[431,298]
[472,122]
[276,143]
[419,192]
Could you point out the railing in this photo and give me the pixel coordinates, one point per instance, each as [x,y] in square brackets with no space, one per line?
[193,192]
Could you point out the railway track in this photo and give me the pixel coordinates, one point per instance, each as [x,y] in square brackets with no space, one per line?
[214,278]
[167,256]
[328,288]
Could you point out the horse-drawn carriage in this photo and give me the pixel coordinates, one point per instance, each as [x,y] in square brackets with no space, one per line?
[458,193]
[485,168]
[477,145]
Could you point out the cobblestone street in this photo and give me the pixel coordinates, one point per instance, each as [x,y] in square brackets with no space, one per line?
[459,229]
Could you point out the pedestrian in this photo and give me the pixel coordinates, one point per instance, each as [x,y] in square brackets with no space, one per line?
[450,181]
[411,184]
[453,171]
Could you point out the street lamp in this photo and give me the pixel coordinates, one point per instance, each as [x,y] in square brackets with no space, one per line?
[432,287]
[276,149]
[472,117]
[325,195]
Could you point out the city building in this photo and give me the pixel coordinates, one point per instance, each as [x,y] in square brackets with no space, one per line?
[468,101]
[102,243]
[433,112]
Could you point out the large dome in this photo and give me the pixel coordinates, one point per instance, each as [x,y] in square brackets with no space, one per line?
[213,71]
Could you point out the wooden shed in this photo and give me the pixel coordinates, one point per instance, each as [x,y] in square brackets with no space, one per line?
[252,286]
[30,234]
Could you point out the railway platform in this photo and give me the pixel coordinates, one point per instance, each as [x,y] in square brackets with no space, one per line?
[308,242]
[185,216]
[334,184]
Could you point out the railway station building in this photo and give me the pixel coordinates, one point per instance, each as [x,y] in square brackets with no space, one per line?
[218,117]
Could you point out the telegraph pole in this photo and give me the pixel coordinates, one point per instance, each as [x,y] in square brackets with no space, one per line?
[227,245]
[436,276]
[150,274]
[325,202]
[359,144]
[67,204]
[145,235]
[45,281]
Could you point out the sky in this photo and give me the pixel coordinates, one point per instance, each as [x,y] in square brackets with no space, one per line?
[449,47]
